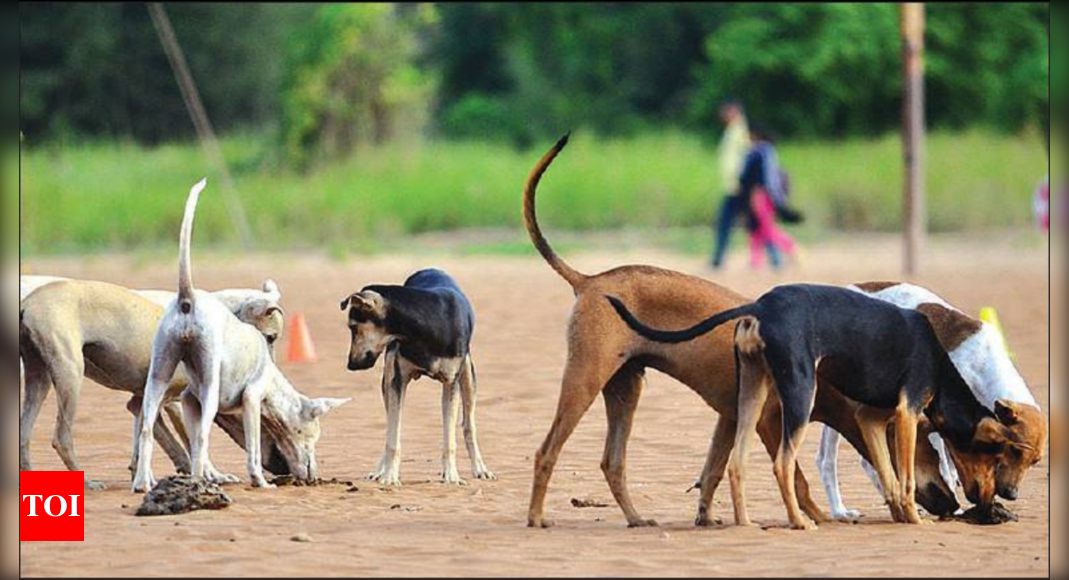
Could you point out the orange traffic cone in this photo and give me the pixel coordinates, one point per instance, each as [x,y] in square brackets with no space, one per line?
[300,348]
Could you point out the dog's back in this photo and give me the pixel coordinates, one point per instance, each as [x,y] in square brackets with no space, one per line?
[866,346]
[110,326]
[450,305]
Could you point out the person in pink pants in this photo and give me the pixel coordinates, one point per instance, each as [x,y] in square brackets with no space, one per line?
[766,232]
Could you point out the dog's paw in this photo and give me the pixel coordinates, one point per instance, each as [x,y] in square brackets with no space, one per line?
[704,521]
[95,486]
[143,484]
[453,478]
[846,516]
[642,524]
[220,478]
[539,523]
[806,525]
[483,473]
[385,478]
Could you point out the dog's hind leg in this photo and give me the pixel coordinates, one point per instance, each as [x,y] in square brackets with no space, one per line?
[797,390]
[621,398]
[178,448]
[36,387]
[769,431]
[161,370]
[584,377]
[716,462]
[873,423]
[468,393]
[208,396]
[450,413]
[175,450]
[753,384]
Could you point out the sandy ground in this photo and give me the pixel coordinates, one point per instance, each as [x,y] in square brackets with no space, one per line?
[428,529]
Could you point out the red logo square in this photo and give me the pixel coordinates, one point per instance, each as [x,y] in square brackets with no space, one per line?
[51,506]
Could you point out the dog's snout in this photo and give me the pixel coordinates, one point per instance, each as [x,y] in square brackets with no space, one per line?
[363,363]
[1009,493]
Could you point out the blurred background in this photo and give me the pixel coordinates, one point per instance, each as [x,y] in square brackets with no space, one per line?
[347,126]
[357,129]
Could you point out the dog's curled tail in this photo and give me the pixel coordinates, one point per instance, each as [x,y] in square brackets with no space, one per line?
[185,275]
[530,218]
[675,336]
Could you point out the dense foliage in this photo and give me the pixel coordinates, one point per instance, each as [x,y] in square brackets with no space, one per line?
[326,76]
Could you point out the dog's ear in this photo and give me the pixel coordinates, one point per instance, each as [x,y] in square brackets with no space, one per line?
[273,308]
[260,308]
[347,301]
[367,301]
[991,432]
[316,408]
[1006,412]
[270,287]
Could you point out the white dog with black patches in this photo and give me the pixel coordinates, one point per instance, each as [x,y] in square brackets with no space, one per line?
[231,372]
[978,352]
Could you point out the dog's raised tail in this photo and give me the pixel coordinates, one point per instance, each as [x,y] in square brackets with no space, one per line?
[530,218]
[675,336]
[185,275]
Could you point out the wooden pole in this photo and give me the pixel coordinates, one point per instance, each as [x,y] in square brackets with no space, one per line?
[205,133]
[914,215]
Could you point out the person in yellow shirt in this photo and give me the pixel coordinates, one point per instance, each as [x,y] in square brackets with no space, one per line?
[734,145]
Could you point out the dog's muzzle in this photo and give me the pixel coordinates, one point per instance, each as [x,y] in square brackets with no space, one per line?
[361,364]
[1008,493]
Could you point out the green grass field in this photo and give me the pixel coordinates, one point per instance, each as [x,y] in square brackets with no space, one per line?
[118,196]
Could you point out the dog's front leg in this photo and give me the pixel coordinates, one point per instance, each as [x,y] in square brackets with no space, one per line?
[905,454]
[753,381]
[394,384]
[873,424]
[35,387]
[468,392]
[209,406]
[450,413]
[251,414]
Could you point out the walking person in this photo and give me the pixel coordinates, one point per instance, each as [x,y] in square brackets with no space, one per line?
[731,153]
[763,189]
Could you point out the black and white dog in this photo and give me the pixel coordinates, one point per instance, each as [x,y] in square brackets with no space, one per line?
[425,328]
[885,357]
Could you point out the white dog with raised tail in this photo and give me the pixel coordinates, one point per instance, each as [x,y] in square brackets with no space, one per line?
[230,372]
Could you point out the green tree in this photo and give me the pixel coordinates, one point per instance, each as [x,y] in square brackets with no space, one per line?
[353,77]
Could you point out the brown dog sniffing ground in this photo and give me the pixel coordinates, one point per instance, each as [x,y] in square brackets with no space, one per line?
[606,357]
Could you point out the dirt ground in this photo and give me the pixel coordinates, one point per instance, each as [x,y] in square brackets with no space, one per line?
[428,529]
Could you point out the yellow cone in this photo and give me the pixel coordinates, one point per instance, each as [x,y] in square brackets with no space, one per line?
[990,316]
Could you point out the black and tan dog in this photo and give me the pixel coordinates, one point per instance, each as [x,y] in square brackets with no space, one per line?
[425,328]
[886,358]
[605,357]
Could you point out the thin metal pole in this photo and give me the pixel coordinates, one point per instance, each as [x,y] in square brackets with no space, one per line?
[203,126]
[913,204]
